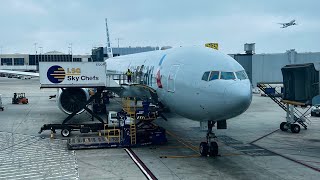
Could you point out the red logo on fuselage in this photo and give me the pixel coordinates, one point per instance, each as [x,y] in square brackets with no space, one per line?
[159,79]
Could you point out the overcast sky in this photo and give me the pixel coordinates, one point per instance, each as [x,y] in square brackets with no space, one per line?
[53,24]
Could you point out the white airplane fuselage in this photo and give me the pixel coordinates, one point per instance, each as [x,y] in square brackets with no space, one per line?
[177,75]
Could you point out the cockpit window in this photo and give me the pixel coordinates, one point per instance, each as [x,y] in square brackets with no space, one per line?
[205,76]
[214,75]
[227,75]
[241,75]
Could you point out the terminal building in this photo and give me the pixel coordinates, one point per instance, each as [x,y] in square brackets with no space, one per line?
[29,62]
[267,67]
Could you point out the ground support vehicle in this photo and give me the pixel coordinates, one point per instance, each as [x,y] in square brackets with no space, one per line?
[19,98]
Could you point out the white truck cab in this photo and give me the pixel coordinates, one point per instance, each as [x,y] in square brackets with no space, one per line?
[114,122]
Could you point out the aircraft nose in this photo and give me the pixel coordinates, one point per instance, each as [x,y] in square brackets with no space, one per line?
[238,97]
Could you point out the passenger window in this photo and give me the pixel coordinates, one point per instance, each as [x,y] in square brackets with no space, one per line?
[214,75]
[227,75]
[205,76]
[241,75]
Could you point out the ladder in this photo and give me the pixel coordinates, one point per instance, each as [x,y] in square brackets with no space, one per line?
[133,132]
[127,107]
[263,87]
[297,115]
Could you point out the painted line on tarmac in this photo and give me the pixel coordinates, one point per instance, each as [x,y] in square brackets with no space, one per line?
[144,169]
[187,156]
[188,145]
[286,157]
[291,159]
[264,136]
[169,147]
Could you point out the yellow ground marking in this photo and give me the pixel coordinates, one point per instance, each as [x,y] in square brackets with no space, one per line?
[187,156]
[170,147]
[188,145]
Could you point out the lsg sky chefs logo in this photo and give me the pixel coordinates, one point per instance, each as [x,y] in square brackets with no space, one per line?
[56,74]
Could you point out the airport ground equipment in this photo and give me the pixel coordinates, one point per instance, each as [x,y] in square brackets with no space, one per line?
[67,128]
[123,131]
[294,115]
[19,98]
[301,88]
[1,106]
[118,137]
[315,110]
[99,104]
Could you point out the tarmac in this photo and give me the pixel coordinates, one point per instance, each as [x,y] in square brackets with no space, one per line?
[252,147]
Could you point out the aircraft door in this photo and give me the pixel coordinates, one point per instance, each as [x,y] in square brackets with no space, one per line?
[172,77]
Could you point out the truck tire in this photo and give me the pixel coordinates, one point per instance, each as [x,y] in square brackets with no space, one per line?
[65,132]
[295,128]
[283,126]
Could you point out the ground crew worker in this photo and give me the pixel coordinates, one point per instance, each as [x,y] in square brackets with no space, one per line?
[145,105]
[129,74]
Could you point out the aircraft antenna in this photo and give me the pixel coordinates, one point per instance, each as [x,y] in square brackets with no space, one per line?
[109,49]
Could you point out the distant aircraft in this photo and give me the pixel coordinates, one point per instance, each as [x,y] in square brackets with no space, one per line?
[194,82]
[291,23]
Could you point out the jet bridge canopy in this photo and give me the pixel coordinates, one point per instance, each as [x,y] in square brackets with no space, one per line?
[301,82]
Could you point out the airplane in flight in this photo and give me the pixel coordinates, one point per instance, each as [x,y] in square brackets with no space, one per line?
[197,83]
[291,23]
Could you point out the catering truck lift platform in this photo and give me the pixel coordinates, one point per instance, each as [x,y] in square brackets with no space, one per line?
[130,127]
[119,137]
[123,129]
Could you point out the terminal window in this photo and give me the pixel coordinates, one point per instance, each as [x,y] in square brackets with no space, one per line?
[76,59]
[18,61]
[33,60]
[6,61]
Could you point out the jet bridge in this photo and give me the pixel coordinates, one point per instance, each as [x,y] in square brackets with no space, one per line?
[301,82]
[301,89]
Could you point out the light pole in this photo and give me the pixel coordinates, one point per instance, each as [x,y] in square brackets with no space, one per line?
[40,53]
[35,47]
[70,51]
[118,39]
[36,59]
